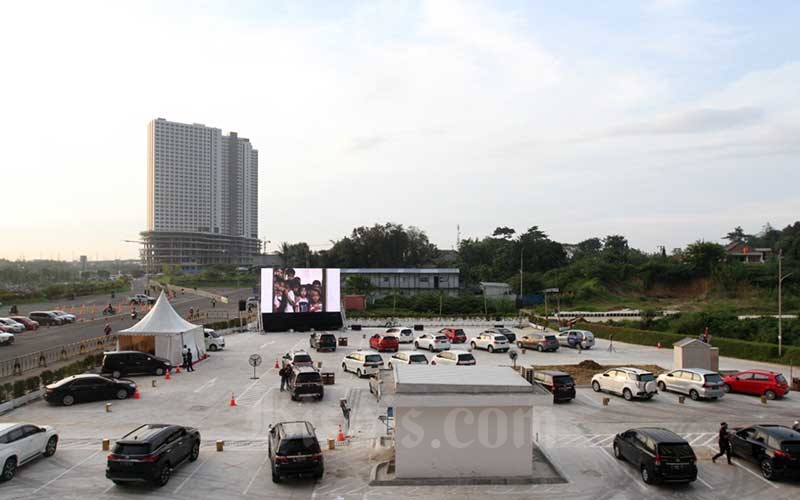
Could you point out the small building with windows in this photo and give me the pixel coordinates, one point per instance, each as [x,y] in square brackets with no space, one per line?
[742,252]
[390,281]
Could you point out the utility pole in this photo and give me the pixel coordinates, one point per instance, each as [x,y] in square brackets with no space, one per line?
[521,254]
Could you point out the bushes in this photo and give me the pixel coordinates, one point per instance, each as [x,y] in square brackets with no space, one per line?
[429,304]
[24,386]
[222,325]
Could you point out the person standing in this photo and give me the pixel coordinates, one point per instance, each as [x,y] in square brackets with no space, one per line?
[183,355]
[107,329]
[213,303]
[189,367]
[284,373]
[724,444]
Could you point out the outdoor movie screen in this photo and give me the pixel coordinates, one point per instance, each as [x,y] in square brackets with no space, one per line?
[292,290]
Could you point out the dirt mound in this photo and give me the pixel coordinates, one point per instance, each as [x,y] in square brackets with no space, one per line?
[590,365]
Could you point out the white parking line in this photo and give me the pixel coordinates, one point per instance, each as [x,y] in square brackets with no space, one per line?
[206,385]
[48,483]
[266,344]
[589,400]
[621,467]
[189,477]
[754,474]
[705,483]
[258,471]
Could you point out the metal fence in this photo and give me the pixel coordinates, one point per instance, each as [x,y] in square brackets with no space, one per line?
[42,359]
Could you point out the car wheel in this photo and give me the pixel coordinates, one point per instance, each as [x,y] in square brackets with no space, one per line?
[68,400]
[195,451]
[770,395]
[389,365]
[430,347]
[416,345]
[122,394]
[540,348]
[473,345]
[519,345]
[52,444]
[618,453]
[627,394]
[646,475]
[9,469]
[767,470]
[433,362]
[490,348]
[213,347]
[726,388]
[596,386]
[159,371]
[358,373]
[662,387]
[116,374]
[344,367]
[163,475]
[694,395]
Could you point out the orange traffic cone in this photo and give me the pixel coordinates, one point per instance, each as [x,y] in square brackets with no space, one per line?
[177,369]
[136,394]
[340,436]
[276,363]
[233,401]
[167,377]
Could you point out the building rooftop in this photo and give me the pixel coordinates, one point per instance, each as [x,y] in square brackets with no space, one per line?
[427,379]
[388,270]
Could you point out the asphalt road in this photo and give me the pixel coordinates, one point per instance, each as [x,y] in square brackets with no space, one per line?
[49,337]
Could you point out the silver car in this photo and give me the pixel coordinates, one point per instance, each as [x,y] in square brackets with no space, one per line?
[575,338]
[696,383]
[12,326]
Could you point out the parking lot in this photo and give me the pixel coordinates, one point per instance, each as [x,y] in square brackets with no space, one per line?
[577,436]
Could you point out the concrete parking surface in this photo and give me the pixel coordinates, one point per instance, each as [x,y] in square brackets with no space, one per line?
[577,436]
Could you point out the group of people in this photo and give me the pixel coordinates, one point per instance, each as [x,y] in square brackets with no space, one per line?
[289,295]
[188,358]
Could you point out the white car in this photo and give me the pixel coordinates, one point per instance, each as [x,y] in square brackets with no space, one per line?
[214,341]
[461,358]
[404,335]
[628,382]
[141,299]
[432,342]
[12,325]
[491,342]
[68,318]
[408,358]
[6,338]
[362,363]
[21,443]
[297,358]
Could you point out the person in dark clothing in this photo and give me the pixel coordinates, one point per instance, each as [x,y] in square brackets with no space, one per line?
[189,367]
[724,444]
[107,329]
[284,373]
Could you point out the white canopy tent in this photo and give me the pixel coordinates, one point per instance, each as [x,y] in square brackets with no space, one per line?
[163,332]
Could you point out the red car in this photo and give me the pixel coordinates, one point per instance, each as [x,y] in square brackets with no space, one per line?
[456,335]
[758,382]
[383,343]
[29,323]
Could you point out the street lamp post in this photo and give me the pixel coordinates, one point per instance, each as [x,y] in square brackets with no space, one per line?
[781,277]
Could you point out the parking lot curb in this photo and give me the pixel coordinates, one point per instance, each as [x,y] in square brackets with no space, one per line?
[20,401]
[459,481]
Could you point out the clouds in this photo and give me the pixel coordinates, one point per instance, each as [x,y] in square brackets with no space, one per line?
[459,112]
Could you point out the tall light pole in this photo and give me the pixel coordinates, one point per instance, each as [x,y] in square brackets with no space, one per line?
[521,253]
[781,277]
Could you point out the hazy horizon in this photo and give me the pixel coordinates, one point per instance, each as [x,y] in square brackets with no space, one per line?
[666,121]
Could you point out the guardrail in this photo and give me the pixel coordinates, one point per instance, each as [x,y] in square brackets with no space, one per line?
[42,359]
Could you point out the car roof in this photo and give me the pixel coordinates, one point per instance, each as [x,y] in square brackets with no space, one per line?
[779,432]
[147,433]
[699,371]
[411,352]
[553,373]
[297,429]
[299,351]
[304,369]
[760,372]
[40,312]
[126,352]
[637,371]
[661,435]
[4,426]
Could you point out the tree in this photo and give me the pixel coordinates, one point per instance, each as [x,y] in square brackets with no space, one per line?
[736,236]
[295,254]
[588,248]
[615,249]
[358,284]
[503,232]
[704,255]
[387,245]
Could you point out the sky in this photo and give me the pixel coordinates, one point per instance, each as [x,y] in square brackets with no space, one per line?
[666,121]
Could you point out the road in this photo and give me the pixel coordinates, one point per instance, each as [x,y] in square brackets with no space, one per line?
[93,323]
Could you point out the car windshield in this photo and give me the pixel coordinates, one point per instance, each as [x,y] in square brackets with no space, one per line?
[588,335]
[460,332]
[713,378]
[675,450]
[302,358]
[213,334]
[306,446]
[327,338]
[132,448]
[406,331]
[373,358]
[466,357]
[441,337]
[562,380]
[308,377]
[780,378]
[500,338]
[645,377]
[551,338]
[417,358]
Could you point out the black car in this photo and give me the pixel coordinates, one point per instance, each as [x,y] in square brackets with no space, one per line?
[560,384]
[511,336]
[775,448]
[151,452]
[119,363]
[305,381]
[84,388]
[322,342]
[659,454]
[47,318]
[294,450]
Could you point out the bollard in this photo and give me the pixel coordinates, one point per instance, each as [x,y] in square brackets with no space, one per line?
[108,407]
[606,401]
[331,444]
[319,364]
[153,382]
[220,445]
[523,350]
[763,399]
[106,444]
[681,399]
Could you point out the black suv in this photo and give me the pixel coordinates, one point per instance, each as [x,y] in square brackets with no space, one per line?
[322,342]
[660,455]
[119,363]
[151,452]
[775,448]
[294,450]
[305,381]
[511,336]
[46,318]
[560,384]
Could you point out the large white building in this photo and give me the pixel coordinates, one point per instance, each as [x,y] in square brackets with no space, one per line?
[202,197]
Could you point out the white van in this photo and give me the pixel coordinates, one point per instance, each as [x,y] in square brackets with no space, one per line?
[214,341]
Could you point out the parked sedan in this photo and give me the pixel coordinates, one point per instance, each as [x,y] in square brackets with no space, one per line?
[408,358]
[87,387]
[6,338]
[759,382]
[456,335]
[27,322]
[539,341]
[47,318]
[151,452]
[384,342]
[12,326]
[774,448]
[460,358]
[694,382]
[23,443]
[432,342]
[68,318]
[659,454]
